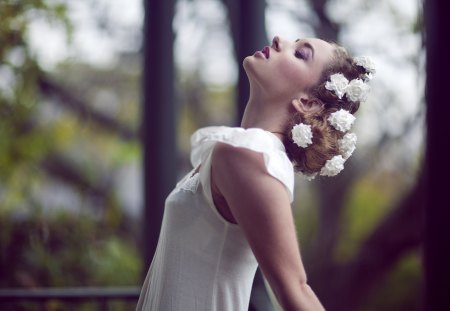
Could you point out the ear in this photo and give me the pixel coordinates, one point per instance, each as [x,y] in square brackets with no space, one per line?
[304,104]
[298,105]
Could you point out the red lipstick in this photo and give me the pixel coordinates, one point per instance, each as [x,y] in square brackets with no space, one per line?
[264,53]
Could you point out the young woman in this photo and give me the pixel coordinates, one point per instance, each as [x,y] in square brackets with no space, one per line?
[232,212]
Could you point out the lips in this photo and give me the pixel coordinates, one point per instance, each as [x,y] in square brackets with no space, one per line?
[266,52]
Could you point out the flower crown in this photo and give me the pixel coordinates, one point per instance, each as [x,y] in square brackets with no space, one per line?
[342,120]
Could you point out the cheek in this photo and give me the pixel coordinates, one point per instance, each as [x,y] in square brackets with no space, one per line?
[292,74]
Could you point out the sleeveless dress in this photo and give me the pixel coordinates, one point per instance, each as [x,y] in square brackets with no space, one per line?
[202,261]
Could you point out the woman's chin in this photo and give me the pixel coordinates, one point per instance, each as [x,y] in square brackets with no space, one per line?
[246,62]
[249,65]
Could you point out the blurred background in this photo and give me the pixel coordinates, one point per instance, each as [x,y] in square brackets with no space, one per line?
[73,182]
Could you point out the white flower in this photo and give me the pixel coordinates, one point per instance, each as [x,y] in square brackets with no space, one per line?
[347,145]
[302,134]
[365,62]
[308,177]
[357,90]
[333,167]
[341,120]
[338,83]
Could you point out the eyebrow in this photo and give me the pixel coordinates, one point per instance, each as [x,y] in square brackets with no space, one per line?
[308,45]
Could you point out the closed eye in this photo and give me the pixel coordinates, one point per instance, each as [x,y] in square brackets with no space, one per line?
[299,54]
[303,53]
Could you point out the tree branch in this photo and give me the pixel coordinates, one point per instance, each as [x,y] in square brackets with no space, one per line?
[57,166]
[325,29]
[71,101]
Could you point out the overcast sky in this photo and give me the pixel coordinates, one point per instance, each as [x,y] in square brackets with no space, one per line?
[100,47]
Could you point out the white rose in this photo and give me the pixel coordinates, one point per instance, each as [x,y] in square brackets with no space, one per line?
[357,90]
[302,135]
[338,83]
[347,145]
[365,62]
[333,166]
[341,120]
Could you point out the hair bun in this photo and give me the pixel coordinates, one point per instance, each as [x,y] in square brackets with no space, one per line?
[311,158]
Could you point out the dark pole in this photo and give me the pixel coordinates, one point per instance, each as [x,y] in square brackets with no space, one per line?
[252,37]
[247,20]
[158,119]
[437,233]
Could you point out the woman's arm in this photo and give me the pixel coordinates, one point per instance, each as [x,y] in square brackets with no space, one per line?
[260,205]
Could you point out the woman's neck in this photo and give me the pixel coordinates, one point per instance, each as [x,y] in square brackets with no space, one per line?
[269,116]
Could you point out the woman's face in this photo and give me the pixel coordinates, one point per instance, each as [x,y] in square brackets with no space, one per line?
[287,68]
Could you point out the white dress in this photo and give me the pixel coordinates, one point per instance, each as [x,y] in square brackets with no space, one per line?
[202,261]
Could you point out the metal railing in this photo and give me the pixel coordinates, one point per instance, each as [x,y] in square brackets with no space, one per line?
[100,295]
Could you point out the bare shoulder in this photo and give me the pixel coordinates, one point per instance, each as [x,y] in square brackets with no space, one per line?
[226,155]
[241,175]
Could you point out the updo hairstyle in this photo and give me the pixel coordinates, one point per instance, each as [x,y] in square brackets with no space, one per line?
[324,145]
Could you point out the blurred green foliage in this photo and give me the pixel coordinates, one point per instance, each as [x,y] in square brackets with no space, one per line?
[64,249]
[371,199]
[401,290]
[81,243]
[368,203]
[22,143]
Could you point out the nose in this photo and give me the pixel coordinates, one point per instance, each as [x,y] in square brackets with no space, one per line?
[276,43]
